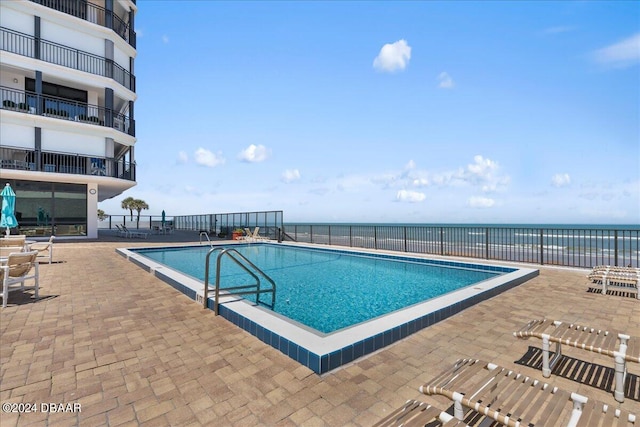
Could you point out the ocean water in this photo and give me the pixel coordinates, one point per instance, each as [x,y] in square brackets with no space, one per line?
[576,245]
[479,225]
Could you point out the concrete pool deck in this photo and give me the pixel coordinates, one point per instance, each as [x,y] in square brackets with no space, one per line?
[132,350]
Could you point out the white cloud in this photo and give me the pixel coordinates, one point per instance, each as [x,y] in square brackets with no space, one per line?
[445,178]
[482,167]
[393,57]
[561,180]
[481,202]
[183,157]
[420,182]
[622,54]
[254,154]
[165,39]
[290,175]
[410,196]
[205,157]
[483,172]
[445,81]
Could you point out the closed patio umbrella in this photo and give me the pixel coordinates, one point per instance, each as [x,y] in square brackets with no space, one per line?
[163,228]
[8,219]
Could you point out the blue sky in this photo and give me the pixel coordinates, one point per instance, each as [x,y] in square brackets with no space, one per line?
[410,112]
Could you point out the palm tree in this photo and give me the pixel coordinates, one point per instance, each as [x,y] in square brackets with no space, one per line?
[102,215]
[138,205]
[127,204]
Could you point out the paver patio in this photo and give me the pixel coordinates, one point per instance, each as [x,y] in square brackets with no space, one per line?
[131,350]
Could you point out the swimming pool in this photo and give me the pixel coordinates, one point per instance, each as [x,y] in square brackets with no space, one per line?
[329,290]
[335,305]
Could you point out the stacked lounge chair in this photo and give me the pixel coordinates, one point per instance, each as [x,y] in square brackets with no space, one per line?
[619,278]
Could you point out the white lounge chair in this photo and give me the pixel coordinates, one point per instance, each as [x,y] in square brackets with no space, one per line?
[490,392]
[621,347]
[121,231]
[248,235]
[15,271]
[137,234]
[415,413]
[253,236]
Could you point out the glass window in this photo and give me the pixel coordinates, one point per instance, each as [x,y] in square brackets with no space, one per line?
[34,207]
[71,209]
[75,106]
[43,208]
[59,91]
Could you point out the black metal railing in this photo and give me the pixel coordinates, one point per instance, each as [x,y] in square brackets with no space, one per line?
[153,223]
[223,224]
[77,164]
[572,247]
[95,14]
[54,53]
[65,109]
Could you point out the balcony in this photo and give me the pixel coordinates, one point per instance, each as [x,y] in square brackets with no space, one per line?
[31,160]
[65,109]
[95,14]
[26,45]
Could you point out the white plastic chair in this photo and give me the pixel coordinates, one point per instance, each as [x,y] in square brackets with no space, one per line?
[45,249]
[16,271]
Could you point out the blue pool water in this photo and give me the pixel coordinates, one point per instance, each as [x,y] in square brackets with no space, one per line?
[329,290]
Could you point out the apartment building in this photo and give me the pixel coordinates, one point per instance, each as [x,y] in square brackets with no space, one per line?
[67,94]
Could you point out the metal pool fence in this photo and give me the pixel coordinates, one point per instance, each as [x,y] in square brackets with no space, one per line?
[571,247]
[223,224]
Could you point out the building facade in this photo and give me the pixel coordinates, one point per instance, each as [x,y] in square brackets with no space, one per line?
[67,93]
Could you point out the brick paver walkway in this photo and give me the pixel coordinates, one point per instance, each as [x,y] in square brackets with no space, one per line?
[133,351]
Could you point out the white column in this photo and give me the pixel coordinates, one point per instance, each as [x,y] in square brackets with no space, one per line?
[92,210]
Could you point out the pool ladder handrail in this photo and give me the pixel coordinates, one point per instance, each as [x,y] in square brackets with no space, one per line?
[231,253]
[207,236]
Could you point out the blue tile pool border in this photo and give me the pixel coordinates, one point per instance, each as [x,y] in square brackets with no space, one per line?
[330,360]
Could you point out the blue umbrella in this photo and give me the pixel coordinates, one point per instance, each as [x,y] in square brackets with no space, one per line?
[8,219]
[163,218]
